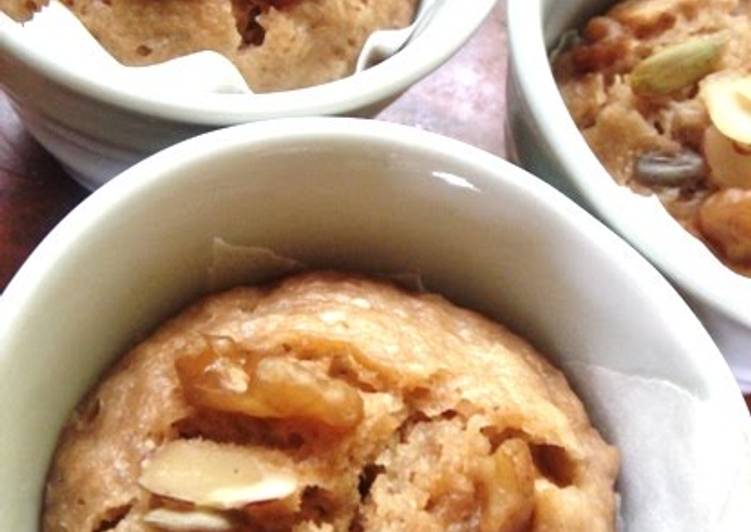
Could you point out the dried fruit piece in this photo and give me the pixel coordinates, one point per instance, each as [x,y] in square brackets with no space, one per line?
[728,100]
[678,169]
[677,66]
[725,220]
[729,163]
[226,378]
[188,520]
[608,53]
[214,475]
[508,478]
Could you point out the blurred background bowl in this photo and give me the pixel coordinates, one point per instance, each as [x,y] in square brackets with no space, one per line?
[97,129]
[545,140]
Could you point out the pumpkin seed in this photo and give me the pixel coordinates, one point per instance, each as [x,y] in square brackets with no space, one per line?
[682,168]
[677,66]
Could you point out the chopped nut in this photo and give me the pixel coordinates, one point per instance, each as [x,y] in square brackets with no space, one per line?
[214,475]
[273,387]
[189,520]
[508,479]
[600,55]
[677,66]
[728,99]
[725,220]
[601,28]
[729,163]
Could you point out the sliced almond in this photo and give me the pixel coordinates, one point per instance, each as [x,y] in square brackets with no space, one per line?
[215,475]
[728,100]
[189,520]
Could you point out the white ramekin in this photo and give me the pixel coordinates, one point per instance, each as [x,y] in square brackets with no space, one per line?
[97,129]
[376,197]
[545,140]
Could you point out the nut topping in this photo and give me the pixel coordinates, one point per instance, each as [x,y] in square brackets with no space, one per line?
[728,100]
[677,66]
[214,475]
[189,520]
[228,379]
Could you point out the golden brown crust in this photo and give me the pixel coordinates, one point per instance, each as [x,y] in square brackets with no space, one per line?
[442,388]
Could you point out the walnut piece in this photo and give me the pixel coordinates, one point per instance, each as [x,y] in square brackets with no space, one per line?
[226,378]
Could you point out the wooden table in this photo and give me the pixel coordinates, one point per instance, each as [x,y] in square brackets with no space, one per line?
[464,99]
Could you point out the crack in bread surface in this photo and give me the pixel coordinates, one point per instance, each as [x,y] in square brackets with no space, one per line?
[461,419]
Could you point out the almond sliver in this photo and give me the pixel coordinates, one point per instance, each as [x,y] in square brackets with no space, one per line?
[189,520]
[214,475]
[272,487]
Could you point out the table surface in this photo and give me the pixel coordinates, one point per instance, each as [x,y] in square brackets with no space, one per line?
[464,99]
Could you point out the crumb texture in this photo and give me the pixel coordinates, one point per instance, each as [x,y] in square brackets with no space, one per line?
[348,404]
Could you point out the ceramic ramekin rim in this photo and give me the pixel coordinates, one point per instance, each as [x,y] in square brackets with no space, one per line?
[163,168]
[549,113]
[378,83]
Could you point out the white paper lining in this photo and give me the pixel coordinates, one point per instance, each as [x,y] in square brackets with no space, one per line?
[58,34]
[234,265]
[690,472]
